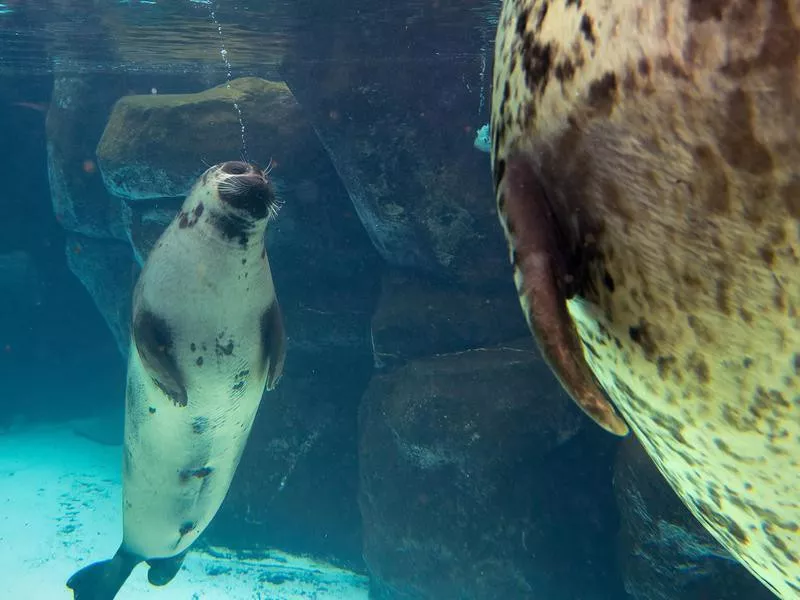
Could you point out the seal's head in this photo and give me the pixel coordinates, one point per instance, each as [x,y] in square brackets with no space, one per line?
[238,198]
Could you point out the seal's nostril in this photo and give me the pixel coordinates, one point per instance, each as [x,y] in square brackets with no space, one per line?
[235,168]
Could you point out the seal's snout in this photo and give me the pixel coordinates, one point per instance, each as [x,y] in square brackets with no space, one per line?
[245,188]
[236,167]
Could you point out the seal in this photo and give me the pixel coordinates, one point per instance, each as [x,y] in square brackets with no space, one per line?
[207,339]
[646,163]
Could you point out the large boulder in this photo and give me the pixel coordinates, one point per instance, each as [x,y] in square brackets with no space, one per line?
[418,316]
[75,121]
[473,484]
[665,553]
[400,127]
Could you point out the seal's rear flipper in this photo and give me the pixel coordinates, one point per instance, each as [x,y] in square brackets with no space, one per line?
[102,580]
[162,570]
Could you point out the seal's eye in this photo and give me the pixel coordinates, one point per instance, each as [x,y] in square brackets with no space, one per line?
[235,168]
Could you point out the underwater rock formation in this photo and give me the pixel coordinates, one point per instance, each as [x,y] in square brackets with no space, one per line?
[400,127]
[665,554]
[473,490]
[108,272]
[155,145]
[75,121]
[418,316]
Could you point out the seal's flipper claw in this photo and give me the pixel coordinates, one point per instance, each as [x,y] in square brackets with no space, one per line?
[537,253]
[163,570]
[102,580]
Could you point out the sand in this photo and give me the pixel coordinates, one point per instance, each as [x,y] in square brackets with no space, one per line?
[60,510]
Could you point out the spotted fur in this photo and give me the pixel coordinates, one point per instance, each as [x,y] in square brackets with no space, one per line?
[663,139]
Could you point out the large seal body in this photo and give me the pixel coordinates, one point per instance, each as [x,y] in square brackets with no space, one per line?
[207,339]
[646,158]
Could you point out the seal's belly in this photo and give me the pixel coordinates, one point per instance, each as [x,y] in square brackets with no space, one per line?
[178,461]
[721,422]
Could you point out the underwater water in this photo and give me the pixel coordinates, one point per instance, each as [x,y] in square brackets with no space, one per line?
[411,443]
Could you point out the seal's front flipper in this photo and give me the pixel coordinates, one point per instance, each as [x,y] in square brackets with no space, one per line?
[102,580]
[162,570]
[542,276]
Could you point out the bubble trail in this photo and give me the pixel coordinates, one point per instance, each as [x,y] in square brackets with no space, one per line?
[224,53]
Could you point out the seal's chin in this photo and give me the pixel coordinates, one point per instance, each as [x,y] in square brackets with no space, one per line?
[244,188]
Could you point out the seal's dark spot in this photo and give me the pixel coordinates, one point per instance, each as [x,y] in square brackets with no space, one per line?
[183,220]
[244,261]
[192,347]
[199,361]
[227,349]
[152,410]
[243,373]
[199,425]
[231,227]
[641,336]
[187,527]
[587,29]
[522,21]
[198,210]
[602,93]
[535,63]
[540,17]
[565,71]
[237,387]
[153,340]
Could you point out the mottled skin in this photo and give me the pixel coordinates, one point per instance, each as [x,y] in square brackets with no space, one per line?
[207,338]
[646,157]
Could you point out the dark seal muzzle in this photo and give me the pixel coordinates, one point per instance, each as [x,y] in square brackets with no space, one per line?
[247,190]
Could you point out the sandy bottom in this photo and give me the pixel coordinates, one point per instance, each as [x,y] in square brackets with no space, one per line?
[60,510]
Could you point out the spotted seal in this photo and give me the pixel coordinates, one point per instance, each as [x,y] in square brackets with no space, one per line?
[646,162]
[207,338]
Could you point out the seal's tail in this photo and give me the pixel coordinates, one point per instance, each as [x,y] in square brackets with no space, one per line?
[102,580]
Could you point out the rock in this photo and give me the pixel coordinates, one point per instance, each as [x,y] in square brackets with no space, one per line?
[472,488]
[404,150]
[665,553]
[156,145]
[418,316]
[107,270]
[75,121]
